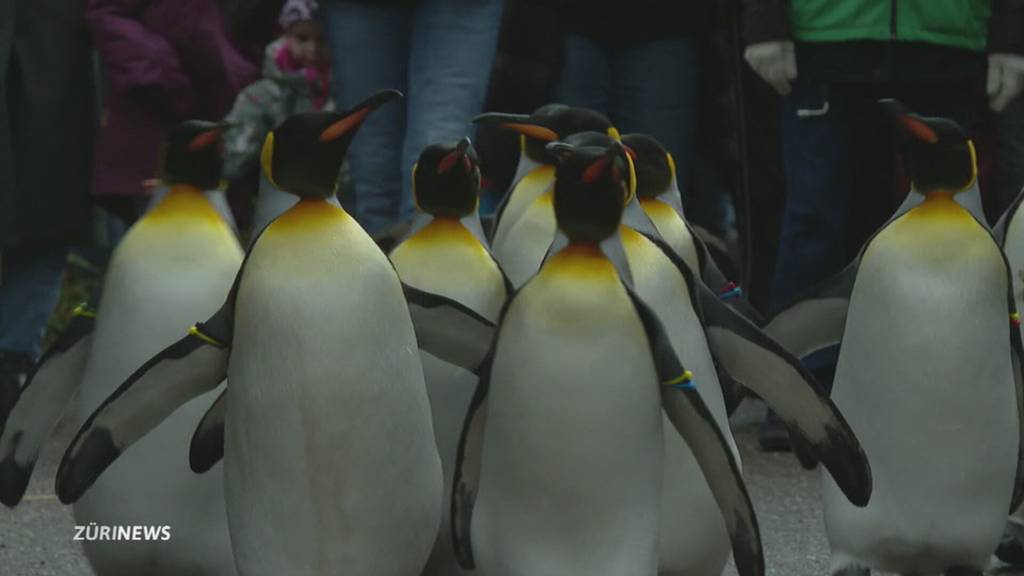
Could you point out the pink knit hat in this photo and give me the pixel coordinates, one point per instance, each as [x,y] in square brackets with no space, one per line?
[297,11]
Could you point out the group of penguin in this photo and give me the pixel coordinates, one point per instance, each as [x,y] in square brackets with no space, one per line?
[548,399]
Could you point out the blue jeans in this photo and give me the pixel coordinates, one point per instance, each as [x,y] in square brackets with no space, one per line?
[837,152]
[439,53]
[649,88]
[29,290]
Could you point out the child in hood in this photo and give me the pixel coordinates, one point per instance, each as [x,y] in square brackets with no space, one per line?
[296,78]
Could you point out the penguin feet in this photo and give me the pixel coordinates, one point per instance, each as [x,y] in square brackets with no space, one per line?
[963,571]
[852,570]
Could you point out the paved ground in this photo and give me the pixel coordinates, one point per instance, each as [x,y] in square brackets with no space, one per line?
[36,538]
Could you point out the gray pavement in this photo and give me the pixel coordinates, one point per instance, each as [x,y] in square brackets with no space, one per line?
[36,537]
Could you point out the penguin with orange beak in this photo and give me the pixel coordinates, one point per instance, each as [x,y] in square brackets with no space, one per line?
[929,372]
[175,263]
[330,462]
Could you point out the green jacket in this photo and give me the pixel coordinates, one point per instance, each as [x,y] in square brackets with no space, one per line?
[975,25]
[956,23]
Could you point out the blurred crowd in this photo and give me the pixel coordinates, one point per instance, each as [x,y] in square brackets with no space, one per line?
[768,106]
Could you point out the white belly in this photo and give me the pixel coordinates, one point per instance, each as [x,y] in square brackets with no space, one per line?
[464,271]
[330,462]
[694,539]
[924,379]
[527,241]
[157,285]
[571,469]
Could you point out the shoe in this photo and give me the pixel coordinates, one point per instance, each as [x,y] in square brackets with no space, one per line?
[1011,548]
[14,369]
[773,435]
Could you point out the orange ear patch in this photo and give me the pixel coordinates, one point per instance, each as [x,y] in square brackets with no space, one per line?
[594,171]
[538,132]
[346,124]
[919,129]
[447,162]
[204,139]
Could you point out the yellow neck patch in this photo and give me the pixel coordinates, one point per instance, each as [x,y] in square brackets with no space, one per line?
[310,214]
[445,230]
[941,205]
[184,202]
[582,260]
[656,208]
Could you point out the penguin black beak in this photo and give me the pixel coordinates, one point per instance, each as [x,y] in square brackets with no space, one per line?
[912,124]
[354,117]
[560,151]
[520,123]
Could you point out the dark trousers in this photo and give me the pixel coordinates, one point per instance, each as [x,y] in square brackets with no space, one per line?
[838,153]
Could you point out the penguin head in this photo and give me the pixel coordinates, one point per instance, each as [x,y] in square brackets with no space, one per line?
[446,179]
[303,155]
[938,156]
[191,154]
[655,168]
[592,186]
[547,124]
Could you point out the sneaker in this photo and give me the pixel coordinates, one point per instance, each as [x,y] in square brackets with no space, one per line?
[773,435]
[14,369]
[1011,548]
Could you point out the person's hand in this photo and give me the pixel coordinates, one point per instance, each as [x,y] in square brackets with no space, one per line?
[774,62]
[1005,79]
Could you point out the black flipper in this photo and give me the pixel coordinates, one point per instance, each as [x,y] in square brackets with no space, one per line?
[768,370]
[816,321]
[697,426]
[47,393]
[207,447]
[715,279]
[1017,356]
[191,366]
[1003,225]
[449,330]
[466,479]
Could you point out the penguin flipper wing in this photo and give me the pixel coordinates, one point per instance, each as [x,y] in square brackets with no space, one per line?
[466,480]
[1000,229]
[207,447]
[768,370]
[191,366]
[41,402]
[1017,358]
[713,277]
[818,320]
[448,329]
[695,423]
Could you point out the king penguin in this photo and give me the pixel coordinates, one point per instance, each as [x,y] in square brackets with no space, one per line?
[175,263]
[330,465]
[928,372]
[545,464]
[525,224]
[446,253]
[1009,231]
